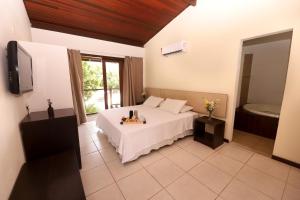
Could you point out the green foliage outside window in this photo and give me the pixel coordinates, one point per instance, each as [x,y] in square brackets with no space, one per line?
[93,80]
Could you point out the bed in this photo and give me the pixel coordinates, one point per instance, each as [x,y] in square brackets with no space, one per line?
[133,140]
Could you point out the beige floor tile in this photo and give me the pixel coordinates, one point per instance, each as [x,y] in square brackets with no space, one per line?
[188,188]
[95,179]
[199,150]
[152,157]
[88,148]
[237,190]
[210,176]
[236,152]
[109,154]
[162,195]
[91,160]
[164,171]
[139,186]
[184,141]
[101,140]
[291,193]
[294,177]
[120,170]
[267,184]
[226,164]
[167,150]
[85,140]
[184,159]
[111,192]
[269,166]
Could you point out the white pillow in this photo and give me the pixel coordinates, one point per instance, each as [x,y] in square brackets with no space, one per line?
[186,109]
[172,105]
[153,101]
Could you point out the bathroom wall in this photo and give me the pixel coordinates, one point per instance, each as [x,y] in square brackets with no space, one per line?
[268,71]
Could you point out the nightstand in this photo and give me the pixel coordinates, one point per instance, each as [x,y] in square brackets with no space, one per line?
[209,131]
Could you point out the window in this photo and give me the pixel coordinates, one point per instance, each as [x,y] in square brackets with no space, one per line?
[101,82]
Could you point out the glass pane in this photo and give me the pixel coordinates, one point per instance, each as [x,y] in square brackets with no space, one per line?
[113,84]
[93,91]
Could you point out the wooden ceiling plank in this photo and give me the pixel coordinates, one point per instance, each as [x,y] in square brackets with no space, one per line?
[84,8]
[85,33]
[62,18]
[126,21]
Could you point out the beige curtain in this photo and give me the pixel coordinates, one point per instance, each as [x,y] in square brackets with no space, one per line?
[132,81]
[76,75]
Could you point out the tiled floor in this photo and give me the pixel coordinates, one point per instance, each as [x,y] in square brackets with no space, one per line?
[186,170]
[254,142]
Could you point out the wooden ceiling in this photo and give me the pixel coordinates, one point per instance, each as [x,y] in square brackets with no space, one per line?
[132,22]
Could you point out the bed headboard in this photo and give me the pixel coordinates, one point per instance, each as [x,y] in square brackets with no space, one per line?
[195,99]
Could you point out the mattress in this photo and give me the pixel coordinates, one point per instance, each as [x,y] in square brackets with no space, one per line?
[133,140]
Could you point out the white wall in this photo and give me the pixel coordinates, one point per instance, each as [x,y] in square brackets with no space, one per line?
[85,44]
[268,72]
[14,25]
[51,77]
[215,30]
[88,45]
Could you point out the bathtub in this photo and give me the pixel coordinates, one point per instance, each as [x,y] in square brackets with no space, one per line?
[259,119]
[263,109]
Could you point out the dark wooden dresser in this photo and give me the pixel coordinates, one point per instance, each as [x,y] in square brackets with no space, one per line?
[43,137]
[51,148]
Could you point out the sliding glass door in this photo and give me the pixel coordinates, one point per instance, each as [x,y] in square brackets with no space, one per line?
[101,83]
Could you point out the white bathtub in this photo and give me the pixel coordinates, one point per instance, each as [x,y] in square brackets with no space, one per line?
[263,109]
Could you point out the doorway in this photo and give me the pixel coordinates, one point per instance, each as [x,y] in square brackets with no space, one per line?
[261,87]
[102,82]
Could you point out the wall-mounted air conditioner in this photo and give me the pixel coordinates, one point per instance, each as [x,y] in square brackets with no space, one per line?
[180,46]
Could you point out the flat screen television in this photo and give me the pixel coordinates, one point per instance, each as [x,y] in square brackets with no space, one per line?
[19,69]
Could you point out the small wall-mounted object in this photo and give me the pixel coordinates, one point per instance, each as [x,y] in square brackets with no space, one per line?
[177,47]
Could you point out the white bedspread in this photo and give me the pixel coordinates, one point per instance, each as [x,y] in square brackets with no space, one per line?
[132,141]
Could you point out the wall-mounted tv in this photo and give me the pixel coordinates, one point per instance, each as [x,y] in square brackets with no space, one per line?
[19,69]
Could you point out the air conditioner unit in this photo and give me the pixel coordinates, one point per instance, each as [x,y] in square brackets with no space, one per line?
[174,48]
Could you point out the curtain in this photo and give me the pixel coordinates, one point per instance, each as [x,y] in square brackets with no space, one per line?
[132,81]
[76,76]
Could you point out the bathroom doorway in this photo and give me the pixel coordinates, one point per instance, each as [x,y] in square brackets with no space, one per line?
[261,87]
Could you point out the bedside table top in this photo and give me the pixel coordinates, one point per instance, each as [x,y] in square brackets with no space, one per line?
[212,121]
